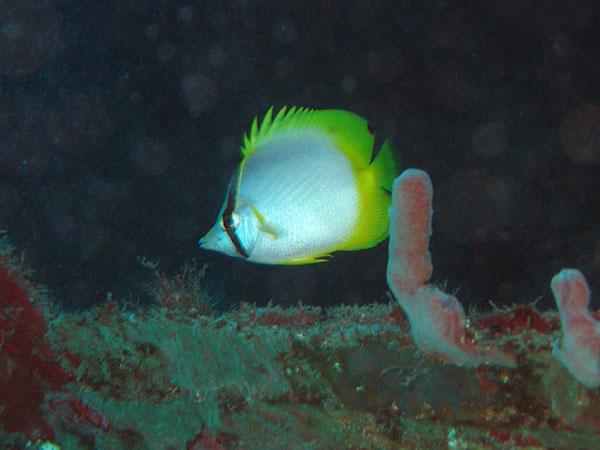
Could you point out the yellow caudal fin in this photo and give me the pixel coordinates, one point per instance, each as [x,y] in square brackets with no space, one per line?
[374,187]
[386,166]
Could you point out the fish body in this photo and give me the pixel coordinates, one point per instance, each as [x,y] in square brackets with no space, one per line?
[307,186]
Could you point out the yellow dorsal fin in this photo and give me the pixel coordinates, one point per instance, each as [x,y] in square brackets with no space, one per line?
[269,126]
[349,132]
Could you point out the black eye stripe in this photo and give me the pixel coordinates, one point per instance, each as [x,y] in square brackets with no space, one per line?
[227,219]
[230,230]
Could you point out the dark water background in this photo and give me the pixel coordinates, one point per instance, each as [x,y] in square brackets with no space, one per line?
[120,125]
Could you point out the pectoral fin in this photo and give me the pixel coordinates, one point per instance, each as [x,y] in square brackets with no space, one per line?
[263,225]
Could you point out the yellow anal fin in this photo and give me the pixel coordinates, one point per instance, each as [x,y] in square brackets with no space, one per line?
[307,260]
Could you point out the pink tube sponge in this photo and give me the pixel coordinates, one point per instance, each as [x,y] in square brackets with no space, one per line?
[409,263]
[437,320]
[579,350]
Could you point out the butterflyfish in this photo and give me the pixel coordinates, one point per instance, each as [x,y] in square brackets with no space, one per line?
[311,182]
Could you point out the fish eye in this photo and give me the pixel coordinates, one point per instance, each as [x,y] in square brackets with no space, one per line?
[230,221]
[235,219]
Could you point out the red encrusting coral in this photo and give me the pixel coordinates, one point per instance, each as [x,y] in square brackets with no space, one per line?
[208,440]
[515,440]
[34,397]
[514,321]
[76,415]
[28,367]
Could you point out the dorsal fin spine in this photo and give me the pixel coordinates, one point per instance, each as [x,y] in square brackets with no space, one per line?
[264,126]
[254,129]
[270,125]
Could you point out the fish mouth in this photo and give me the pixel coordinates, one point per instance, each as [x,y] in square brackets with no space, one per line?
[204,241]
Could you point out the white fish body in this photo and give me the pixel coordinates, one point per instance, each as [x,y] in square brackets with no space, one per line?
[305,188]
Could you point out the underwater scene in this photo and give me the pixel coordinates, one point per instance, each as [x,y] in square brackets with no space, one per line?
[338,224]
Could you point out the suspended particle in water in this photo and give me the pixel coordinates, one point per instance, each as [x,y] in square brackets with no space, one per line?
[489,140]
[29,34]
[199,93]
[579,134]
